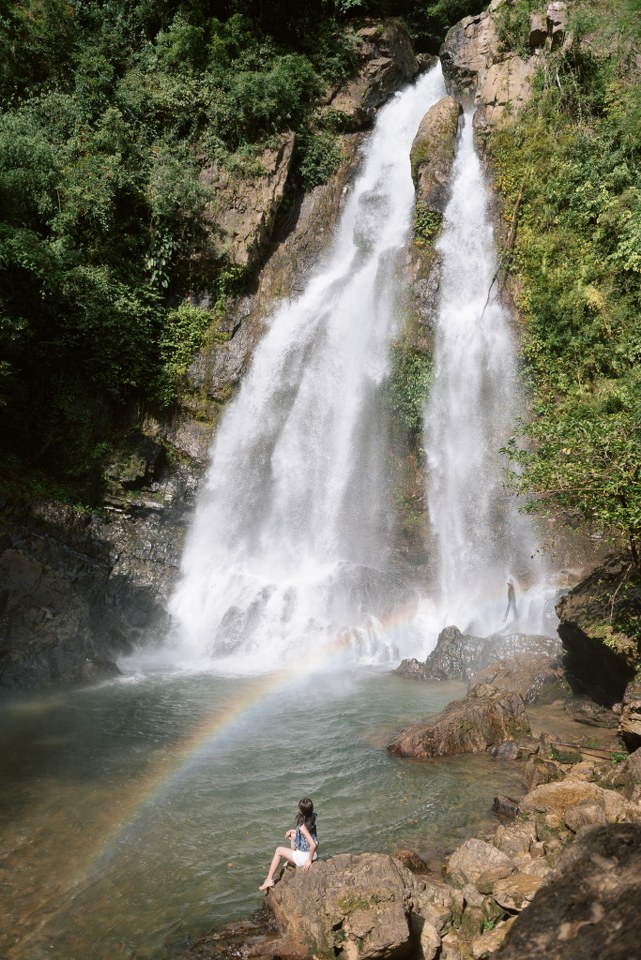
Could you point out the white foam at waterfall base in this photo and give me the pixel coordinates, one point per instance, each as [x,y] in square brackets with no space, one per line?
[479,537]
[288,550]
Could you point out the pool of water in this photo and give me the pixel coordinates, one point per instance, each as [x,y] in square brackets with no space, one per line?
[140,812]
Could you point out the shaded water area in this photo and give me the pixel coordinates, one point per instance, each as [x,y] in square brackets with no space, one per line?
[145,810]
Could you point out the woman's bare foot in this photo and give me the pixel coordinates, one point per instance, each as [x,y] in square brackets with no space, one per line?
[266,885]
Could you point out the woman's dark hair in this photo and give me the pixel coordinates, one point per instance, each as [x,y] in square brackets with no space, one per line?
[306,813]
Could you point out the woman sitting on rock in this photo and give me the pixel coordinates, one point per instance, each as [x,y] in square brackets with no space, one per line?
[303,843]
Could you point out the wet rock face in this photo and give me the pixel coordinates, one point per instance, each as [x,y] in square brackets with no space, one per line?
[387,62]
[459,656]
[77,590]
[432,158]
[591,909]
[432,154]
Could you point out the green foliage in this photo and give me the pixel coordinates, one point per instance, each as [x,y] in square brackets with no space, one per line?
[321,156]
[408,386]
[427,226]
[513,24]
[579,286]
[109,113]
[182,335]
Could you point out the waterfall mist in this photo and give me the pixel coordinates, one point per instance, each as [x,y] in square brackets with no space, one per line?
[479,538]
[288,549]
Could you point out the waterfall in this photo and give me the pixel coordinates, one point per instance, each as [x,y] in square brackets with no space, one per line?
[479,537]
[288,547]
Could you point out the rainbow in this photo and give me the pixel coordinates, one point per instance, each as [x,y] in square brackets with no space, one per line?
[212,727]
[215,725]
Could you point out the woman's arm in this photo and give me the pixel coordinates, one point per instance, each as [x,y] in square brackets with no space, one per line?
[312,846]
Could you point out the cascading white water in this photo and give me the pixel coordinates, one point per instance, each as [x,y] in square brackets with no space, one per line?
[480,538]
[287,550]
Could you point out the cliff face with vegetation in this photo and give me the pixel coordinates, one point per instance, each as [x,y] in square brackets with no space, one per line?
[152,158]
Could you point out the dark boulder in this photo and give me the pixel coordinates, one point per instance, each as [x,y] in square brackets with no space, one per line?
[599,652]
[591,909]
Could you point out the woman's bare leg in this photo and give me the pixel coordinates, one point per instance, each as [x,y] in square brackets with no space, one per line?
[280,852]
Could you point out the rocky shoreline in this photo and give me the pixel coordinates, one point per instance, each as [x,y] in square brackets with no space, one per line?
[568,849]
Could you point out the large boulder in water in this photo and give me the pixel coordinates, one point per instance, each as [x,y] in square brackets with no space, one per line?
[487,717]
[459,656]
[537,677]
[432,158]
[432,154]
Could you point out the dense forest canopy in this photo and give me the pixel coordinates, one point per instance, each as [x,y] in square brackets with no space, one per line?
[110,111]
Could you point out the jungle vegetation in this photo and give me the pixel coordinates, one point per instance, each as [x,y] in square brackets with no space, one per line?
[572,160]
[110,110]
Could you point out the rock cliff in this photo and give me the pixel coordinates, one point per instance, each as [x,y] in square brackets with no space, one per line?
[476,63]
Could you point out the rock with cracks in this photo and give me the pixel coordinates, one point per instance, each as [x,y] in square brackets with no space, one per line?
[356,906]
[485,718]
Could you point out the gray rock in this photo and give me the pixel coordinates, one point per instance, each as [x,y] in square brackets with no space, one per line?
[602,669]
[387,62]
[509,750]
[516,891]
[242,216]
[459,656]
[584,815]
[473,63]
[538,770]
[556,16]
[473,859]
[630,720]
[79,589]
[626,776]
[538,31]
[432,154]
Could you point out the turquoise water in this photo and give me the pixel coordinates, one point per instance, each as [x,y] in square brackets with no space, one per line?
[140,812]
